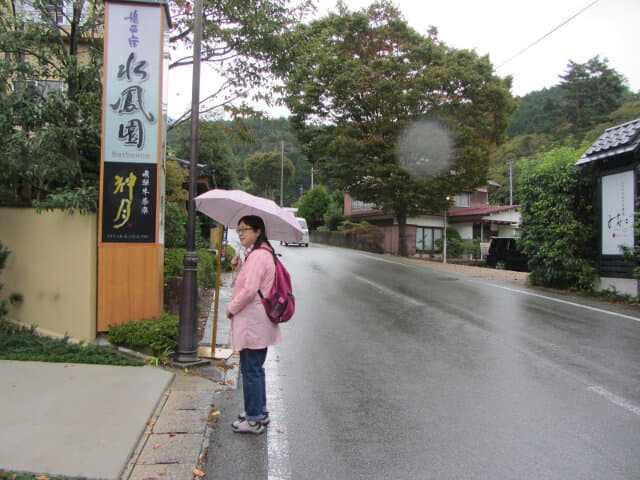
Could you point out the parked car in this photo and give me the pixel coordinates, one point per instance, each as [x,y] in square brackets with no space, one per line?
[304,241]
[504,253]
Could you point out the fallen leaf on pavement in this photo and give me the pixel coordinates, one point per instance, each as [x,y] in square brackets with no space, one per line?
[198,472]
[215,413]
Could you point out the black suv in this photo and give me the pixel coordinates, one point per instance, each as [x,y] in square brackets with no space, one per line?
[504,253]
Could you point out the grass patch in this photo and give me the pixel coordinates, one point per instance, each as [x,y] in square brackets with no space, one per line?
[4,475]
[22,343]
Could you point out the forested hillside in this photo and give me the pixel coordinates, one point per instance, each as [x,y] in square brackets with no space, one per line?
[588,99]
[231,148]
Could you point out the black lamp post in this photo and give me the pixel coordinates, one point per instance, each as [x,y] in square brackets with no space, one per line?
[188,334]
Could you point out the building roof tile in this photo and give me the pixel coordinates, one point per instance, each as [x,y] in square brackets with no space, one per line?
[614,141]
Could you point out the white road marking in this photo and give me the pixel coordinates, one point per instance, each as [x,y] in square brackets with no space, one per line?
[566,302]
[384,289]
[277,438]
[616,400]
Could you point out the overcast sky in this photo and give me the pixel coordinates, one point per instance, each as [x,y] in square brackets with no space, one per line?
[502,29]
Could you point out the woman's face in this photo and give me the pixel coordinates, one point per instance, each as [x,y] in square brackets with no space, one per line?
[248,235]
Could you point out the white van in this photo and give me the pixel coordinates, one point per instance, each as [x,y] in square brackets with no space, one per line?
[304,241]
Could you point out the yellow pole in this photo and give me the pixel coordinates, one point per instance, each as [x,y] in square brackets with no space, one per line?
[217,299]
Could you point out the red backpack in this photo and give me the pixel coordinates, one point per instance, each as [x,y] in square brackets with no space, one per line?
[280,304]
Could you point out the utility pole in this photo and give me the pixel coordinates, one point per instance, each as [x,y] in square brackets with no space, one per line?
[510,182]
[281,172]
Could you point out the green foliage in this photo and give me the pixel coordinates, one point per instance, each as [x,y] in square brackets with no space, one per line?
[348,224]
[51,136]
[174,267]
[175,178]
[242,42]
[207,269]
[22,343]
[586,96]
[157,334]
[472,247]
[359,79]
[252,135]
[214,151]
[175,226]
[263,169]
[629,254]
[455,245]
[8,475]
[83,198]
[313,205]
[558,221]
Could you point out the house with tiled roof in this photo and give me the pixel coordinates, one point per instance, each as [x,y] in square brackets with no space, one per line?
[615,157]
[470,214]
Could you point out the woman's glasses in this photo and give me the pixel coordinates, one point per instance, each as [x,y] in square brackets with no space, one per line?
[242,230]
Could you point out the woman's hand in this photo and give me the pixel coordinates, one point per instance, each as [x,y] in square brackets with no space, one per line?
[235,262]
[229,315]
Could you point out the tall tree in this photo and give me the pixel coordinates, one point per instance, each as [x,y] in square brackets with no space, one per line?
[214,150]
[242,41]
[360,79]
[266,170]
[49,96]
[591,91]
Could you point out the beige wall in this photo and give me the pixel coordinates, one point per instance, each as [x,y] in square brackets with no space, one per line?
[53,264]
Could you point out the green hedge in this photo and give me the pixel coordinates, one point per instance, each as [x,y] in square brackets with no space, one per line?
[160,335]
[173,266]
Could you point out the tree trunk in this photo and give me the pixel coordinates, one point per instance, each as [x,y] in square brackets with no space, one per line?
[401,216]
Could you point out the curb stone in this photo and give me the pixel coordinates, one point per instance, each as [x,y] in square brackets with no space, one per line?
[176,442]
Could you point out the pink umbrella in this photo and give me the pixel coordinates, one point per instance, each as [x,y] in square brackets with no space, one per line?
[229,206]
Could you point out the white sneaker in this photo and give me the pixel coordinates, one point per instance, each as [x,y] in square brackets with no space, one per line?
[247,426]
[265,418]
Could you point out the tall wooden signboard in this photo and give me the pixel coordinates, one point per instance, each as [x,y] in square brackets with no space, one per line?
[131,217]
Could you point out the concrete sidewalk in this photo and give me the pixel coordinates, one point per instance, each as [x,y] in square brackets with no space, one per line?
[112,423]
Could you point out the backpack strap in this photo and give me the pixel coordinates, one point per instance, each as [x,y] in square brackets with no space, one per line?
[272,252]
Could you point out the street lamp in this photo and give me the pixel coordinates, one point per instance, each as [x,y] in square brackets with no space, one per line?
[444,243]
[188,327]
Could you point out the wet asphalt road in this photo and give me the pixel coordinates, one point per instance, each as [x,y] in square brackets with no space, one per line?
[391,370]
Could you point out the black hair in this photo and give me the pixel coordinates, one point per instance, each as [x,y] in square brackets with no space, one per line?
[256,222]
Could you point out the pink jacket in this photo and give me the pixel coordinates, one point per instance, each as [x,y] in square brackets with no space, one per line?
[250,326]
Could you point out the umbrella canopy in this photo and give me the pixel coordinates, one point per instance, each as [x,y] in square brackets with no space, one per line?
[229,206]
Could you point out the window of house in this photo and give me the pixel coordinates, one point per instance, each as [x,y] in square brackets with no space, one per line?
[55,9]
[462,200]
[42,86]
[426,239]
[359,205]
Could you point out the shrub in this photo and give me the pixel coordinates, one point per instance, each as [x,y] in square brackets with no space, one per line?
[455,245]
[160,335]
[175,226]
[472,247]
[559,233]
[22,343]
[174,267]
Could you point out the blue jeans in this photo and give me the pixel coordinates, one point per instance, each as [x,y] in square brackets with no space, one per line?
[253,382]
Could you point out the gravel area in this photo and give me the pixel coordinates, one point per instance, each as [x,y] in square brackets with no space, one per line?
[473,271]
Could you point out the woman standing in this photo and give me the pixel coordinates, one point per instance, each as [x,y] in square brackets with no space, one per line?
[252,331]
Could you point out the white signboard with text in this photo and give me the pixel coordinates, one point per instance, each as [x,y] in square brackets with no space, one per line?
[132,117]
[618,194]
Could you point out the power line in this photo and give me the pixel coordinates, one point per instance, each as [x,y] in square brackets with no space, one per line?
[547,34]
